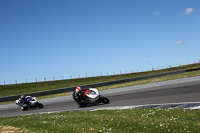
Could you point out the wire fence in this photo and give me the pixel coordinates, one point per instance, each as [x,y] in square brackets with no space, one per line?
[93,75]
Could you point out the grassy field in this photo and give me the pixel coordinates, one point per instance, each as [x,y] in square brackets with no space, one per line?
[14,89]
[107,121]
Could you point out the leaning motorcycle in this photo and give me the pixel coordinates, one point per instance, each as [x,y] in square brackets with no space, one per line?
[94,97]
[31,102]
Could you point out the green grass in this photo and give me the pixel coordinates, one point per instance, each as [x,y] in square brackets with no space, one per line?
[153,80]
[111,121]
[14,89]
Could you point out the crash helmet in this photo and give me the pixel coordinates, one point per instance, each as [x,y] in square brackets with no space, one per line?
[78,89]
[22,96]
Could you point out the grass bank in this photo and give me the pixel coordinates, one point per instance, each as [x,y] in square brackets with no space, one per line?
[153,80]
[14,89]
[111,121]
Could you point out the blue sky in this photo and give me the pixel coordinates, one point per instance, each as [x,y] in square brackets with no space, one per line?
[57,38]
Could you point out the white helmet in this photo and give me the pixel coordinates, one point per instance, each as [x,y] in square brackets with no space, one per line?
[78,89]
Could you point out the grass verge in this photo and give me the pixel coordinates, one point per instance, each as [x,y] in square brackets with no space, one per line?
[153,80]
[109,121]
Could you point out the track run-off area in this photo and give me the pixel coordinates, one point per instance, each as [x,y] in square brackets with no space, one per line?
[173,94]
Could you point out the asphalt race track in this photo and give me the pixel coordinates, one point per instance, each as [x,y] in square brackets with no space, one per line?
[175,91]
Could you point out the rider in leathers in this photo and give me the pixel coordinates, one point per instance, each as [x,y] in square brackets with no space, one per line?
[23,100]
[80,95]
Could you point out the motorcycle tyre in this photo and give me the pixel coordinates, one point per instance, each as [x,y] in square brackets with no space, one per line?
[40,105]
[83,104]
[23,108]
[105,100]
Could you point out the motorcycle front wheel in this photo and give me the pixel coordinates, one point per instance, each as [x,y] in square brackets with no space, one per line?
[105,100]
[82,104]
[23,108]
[40,105]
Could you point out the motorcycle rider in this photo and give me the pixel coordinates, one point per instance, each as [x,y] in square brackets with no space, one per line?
[22,99]
[80,95]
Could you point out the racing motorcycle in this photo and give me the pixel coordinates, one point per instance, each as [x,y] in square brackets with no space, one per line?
[31,102]
[94,97]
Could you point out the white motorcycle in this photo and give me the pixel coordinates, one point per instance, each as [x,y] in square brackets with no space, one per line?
[30,102]
[93,97]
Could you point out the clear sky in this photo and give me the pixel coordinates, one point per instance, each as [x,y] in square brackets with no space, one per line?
[58,38]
